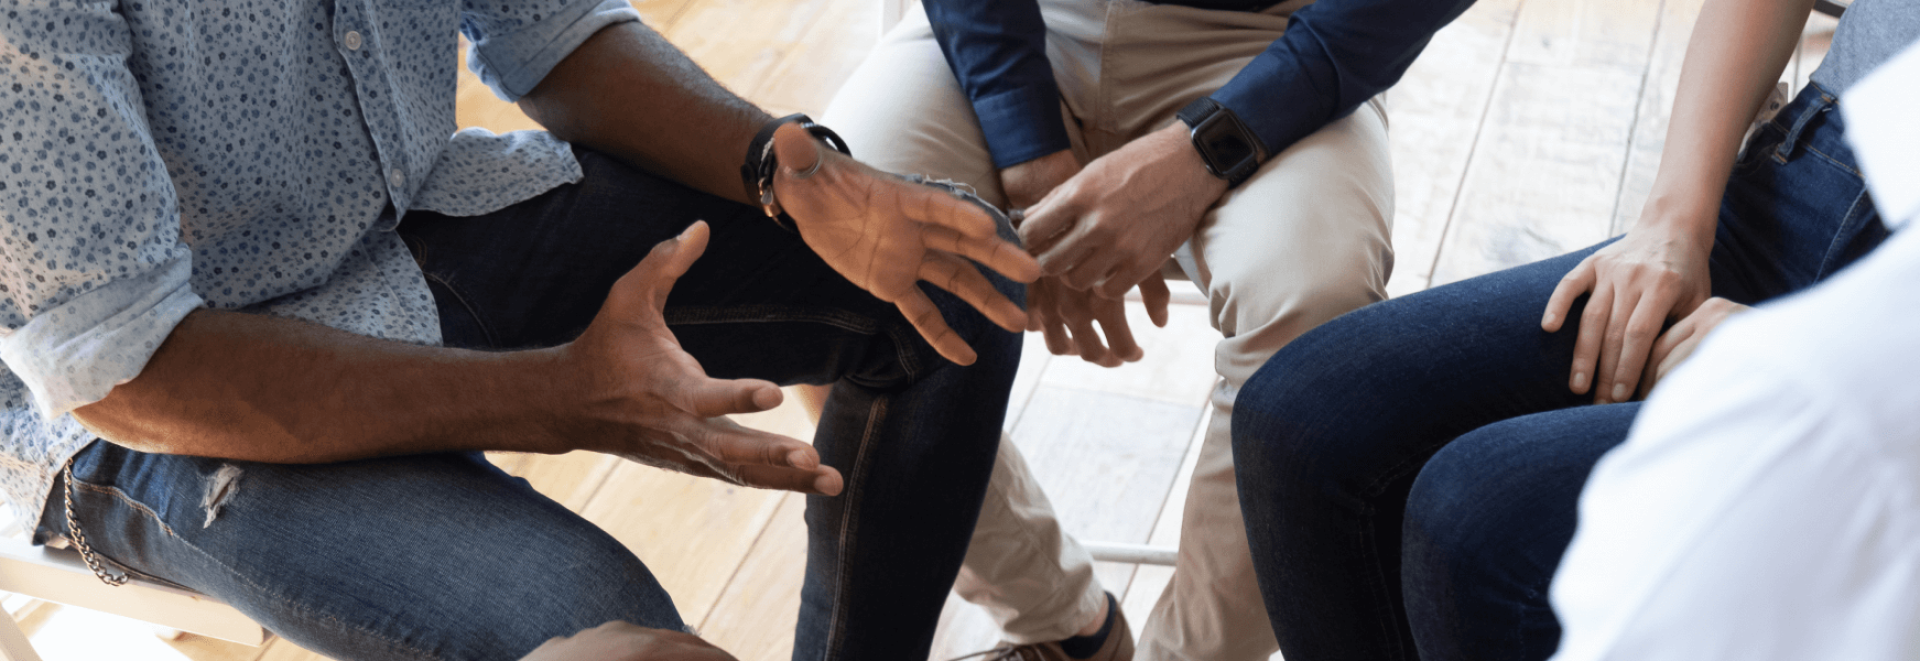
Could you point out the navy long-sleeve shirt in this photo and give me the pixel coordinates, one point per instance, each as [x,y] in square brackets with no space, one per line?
[1334,56]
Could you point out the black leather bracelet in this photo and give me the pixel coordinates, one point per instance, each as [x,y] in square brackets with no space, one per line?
[756,173]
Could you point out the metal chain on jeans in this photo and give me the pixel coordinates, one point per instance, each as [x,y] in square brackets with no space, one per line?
[80,538]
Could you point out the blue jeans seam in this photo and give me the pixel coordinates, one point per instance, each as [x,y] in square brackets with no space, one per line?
[836,628]
[486,329]
[1849,228]
[1834,161]
[122,496]
[1389,617]
[242,577]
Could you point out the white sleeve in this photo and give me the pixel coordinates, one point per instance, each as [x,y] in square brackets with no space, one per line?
[1767,503]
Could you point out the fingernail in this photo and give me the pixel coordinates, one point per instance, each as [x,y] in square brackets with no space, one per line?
[1620,392]
[1547,320]
[687,231]
[1579,380]
[801,459]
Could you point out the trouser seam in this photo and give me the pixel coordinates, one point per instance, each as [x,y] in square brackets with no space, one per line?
[1391,634]
[1858,215]
[122,496]
[836,629]
[486,329]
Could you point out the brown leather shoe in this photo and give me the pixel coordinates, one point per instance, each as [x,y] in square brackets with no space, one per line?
[1119,647]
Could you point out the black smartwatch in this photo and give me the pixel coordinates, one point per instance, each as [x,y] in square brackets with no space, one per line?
[757,172]
[1228,147]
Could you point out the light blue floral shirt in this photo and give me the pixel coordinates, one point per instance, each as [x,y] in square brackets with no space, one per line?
[158,156]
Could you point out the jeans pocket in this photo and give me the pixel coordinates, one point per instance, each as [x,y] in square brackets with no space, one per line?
[1759,146]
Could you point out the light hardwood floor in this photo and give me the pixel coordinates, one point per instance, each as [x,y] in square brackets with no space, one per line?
[1528,128]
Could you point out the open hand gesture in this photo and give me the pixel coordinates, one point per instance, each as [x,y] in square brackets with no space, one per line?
[646,399]
[886,234]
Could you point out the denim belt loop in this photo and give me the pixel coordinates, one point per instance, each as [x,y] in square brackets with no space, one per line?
[1785,151]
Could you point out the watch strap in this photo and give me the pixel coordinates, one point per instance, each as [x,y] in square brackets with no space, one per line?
[756,173]
[1204,117]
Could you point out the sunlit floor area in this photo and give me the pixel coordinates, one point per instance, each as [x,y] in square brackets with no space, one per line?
[1529,128]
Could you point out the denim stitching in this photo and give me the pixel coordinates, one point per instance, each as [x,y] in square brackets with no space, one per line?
[486,329]
[1857,216]
[836,626]
[1391,629]
[116,493]
[1836,162]
[241,576]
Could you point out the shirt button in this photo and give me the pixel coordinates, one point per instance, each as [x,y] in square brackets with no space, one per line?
[397,178]
[353,41]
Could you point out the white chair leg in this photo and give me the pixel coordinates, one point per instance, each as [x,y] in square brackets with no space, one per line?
[13,641]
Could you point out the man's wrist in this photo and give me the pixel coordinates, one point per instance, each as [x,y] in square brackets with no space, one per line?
[1227,147]
[1179,147]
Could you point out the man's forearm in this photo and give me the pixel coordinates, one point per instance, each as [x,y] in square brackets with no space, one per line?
[630,93]
[256,388]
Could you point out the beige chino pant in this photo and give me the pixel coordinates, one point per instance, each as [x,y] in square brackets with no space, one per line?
[1303,241]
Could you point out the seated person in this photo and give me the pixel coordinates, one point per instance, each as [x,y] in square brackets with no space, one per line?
[225,369]
[1410,471]
[1283,221]
[1767,504]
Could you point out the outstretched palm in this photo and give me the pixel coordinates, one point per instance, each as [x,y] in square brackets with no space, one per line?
[886,234]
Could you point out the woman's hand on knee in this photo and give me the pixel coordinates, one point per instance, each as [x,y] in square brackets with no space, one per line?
[1678,343]
[620,641]
[1636,285]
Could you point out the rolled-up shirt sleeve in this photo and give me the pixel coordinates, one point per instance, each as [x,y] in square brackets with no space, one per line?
[1334,56]
[93,275]
[514,43]
[997,50]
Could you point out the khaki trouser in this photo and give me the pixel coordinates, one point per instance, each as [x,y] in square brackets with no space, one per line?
[1303,241]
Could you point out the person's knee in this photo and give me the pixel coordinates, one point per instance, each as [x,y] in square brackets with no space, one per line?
[1291,418]
[554,585]
[1453,510]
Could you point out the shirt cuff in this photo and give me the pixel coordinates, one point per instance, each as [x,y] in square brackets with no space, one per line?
[514,61]
[1022,124]
[1279,106]
[73,355]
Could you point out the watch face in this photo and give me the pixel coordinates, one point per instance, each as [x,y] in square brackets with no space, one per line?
[1226,148]
[1222,145]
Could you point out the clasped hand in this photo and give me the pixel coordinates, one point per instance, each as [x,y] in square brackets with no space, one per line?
[1101,231]
[1637,284]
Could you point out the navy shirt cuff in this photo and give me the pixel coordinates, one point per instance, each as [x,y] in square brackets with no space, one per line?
[1022,124]
[1280,105]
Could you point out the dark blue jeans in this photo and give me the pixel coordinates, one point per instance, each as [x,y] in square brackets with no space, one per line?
[1409,472]
[447,557]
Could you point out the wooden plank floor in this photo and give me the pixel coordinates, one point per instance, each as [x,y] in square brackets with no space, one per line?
[1527,129]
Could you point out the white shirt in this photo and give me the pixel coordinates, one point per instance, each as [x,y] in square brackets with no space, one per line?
[1767,503]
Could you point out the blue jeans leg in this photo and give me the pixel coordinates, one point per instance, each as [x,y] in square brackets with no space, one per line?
[1330,435]
[1486,523]
[1341,421]
[439,557]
